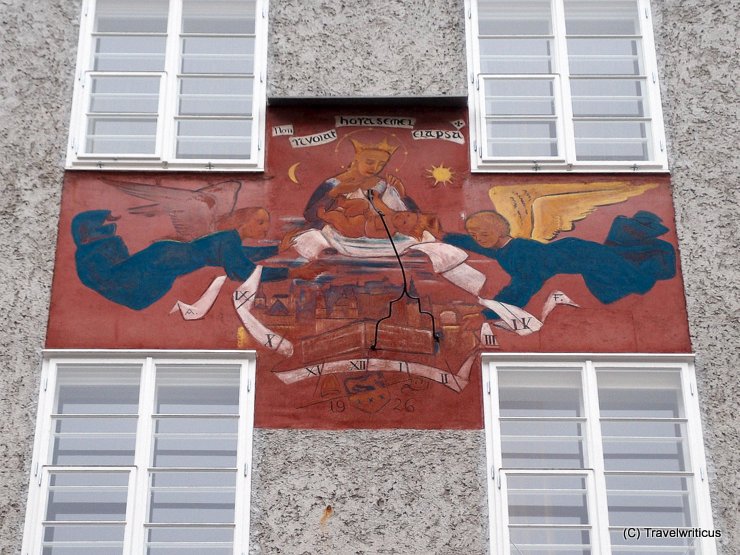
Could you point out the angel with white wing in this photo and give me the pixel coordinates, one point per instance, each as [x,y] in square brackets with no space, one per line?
[520,234]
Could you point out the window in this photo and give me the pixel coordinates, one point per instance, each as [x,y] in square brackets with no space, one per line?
[170,84]
[142,455]
[563,85]
[581,450]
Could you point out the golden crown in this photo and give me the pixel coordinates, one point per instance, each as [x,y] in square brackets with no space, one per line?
[383,146]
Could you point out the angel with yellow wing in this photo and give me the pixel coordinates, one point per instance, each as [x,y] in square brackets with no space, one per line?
[521,235]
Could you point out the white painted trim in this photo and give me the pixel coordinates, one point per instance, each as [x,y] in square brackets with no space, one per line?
[651,69]
[595,451]
[472,54]
[478,162]
[244,454]
[31,530]
[143,456]
[589,365]
[164,157]
[702,502]
[491,425]
[124,355]
[596,357]
[138,472]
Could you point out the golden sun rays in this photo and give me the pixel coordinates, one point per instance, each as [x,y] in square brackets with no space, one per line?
[440,174]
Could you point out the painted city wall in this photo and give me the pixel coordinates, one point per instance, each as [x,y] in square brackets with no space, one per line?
[367,267]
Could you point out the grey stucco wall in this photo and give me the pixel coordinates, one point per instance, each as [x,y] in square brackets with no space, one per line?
[698,48]
[408,492]
[349,48]
[37,48]
[390,491]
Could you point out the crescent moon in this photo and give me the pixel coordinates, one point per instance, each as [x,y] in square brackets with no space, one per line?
[291,172]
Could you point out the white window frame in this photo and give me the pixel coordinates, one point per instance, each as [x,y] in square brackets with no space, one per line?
[138,484]
[598,512]
[164,157]
[566,161]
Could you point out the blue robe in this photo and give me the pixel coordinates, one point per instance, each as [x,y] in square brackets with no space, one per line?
[136,281]
[630,261]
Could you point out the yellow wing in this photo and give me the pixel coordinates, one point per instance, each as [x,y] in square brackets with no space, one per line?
[543,210]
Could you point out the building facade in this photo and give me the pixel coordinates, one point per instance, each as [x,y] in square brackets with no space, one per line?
[374,437]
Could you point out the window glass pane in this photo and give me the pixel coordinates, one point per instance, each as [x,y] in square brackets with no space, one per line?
[173,534]
[513,55]
[83,431]
[197,389]
[78,449]
[655,455]
[545,428]
[645,445]
[192,497]
[612,140]
[214,138]
[640,393]
[77,549]
[218,479]
[204,442]
[124,95]
[552,499]
[71,539]
[605,56]
[632,440]
[543,453]
[548,550]
[124,135]
[188,506]
[520,87]
[83,533]
[554,392]
[218,16]
[83,389]
[608,97]
[87,496]
[546,539]
[617,88]
[129,53]
[91,425]
[185,550]
[230,86]
[520,97]
[226,55]
[530,138]
[542,444]
[512,17]
[643,429]
[519,106]
[530,149]
[616,17]
[132,16]
[213,96]
[194,426]
[649,500]
[194,451]
[177,540]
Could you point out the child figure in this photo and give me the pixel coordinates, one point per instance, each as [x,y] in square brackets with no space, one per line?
[356,217]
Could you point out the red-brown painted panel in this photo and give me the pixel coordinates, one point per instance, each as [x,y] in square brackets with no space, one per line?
[296,262]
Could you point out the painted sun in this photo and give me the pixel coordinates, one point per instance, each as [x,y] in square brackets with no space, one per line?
[440,174]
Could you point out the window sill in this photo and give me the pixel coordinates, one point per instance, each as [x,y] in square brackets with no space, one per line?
[559,167]
[158,165]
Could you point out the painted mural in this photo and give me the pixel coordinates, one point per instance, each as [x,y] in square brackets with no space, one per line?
[367,267]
